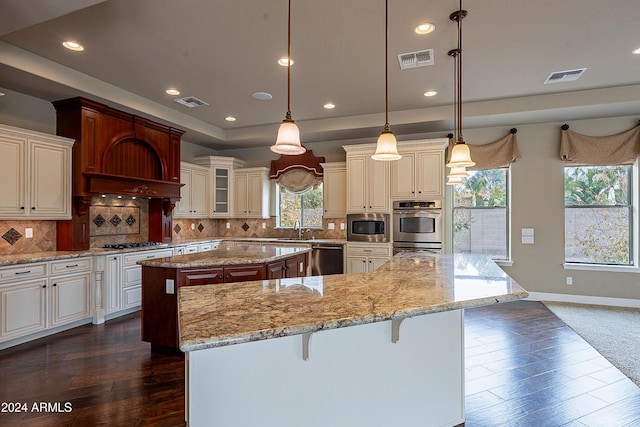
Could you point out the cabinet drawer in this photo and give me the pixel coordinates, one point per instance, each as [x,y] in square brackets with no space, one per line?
[73,265]
[24,271]
[369,250]
[132,258]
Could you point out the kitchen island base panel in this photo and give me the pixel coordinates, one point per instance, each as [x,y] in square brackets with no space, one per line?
[353,376]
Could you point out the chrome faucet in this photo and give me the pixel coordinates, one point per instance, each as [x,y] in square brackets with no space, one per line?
[297,225]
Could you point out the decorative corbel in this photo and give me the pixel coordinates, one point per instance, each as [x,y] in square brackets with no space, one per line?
[82,204]
[167,206]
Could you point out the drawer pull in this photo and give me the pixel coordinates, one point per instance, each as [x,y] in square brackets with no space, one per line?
[23,272]
[55,284]
[71,266]
[366,250]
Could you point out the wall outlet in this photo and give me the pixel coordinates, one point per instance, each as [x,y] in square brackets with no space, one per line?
[264,225]
[193,226]
[342,226]
[28,233]
[569,280]
[169,286]
[527,236]
[331,226]
[228,225]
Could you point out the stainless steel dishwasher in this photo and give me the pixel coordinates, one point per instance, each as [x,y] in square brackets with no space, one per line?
[327,258]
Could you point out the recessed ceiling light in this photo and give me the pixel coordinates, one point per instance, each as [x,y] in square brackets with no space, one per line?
[172,91]
[425,28]
[285,61]
[1,94]
[329,106]
[637,51]
[71,45]
[430,93]
[230,119]
[262,96]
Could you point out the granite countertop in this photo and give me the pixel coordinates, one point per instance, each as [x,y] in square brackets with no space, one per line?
[226,255]
[14,259]
[411,284]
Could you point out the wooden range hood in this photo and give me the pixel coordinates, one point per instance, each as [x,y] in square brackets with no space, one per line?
[118,153]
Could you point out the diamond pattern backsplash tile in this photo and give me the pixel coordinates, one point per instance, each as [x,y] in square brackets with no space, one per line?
[115,220]
[99,220]
[130,220]
[245,226]
[200,227]
[177,228]
[11,236]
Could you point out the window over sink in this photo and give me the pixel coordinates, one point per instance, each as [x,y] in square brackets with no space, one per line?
[306,207]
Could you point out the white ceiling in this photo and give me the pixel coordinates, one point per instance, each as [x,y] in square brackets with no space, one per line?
[223,51]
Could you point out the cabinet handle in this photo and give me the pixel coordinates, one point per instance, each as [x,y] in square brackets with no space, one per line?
[220,277]
[228,276]
[115,258]
[44,286]
[55,284]
[71,266]
[413,192]
[21,208]
[23,272]
[419,192]
[33,208]
[366,250]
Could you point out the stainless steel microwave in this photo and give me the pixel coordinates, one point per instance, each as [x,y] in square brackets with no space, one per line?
[368,227]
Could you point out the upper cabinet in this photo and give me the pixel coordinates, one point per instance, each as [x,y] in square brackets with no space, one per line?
[251,193]
[419,174]
[194,201]
[367,180]
[334,189]
[221,171]
[35,171]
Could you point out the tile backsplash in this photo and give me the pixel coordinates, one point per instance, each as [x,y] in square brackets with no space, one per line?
[118,220]
[14,240]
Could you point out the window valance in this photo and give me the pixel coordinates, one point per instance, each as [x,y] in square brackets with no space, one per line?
[297,174]
[494,155]
[620,149]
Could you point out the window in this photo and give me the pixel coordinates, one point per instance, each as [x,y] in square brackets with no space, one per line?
[306,207]
[480,214]
[598,214]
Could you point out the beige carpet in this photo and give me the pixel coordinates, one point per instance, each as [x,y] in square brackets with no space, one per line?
[613,331]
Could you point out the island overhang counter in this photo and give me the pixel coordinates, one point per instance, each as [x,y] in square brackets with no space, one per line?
[377,349]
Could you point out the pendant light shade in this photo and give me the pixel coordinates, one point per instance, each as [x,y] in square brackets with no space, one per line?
[386,147]
[288,140]
[460,156]
[460,153]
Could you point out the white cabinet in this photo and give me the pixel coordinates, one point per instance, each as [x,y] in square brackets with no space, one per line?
[251,193]
[112,279]
[35,171]
[367,180]
[194,195]
[24,306]
[419,174]
[31,302]
[367,257]
[70,290]
[221,170]
[334,189]
[131,291]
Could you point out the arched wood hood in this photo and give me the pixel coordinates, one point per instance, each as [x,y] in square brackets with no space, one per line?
[118,153]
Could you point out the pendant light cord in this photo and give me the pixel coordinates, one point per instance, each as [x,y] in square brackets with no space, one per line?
[459,59]
[386,64]
[289,63]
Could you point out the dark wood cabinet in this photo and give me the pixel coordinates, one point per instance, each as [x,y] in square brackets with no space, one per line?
[117,153]
[160,292]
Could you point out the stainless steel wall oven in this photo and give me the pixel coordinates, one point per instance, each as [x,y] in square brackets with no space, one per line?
[417,225]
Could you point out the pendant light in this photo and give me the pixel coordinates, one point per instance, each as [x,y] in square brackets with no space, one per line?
[386,147]
[460,154]
[288,140]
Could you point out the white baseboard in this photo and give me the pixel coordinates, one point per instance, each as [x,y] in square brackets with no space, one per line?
[584,299]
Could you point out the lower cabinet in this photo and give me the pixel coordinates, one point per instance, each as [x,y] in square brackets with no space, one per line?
[160,290]
[41,296]
[367,257]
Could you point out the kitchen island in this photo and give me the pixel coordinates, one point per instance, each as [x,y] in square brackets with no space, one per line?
[228,263]
[376,349]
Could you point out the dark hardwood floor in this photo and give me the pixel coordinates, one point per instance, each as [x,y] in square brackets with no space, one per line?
[525,367]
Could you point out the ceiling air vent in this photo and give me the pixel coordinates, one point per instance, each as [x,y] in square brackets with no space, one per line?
[415,59]
[564,76]
[191,102]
